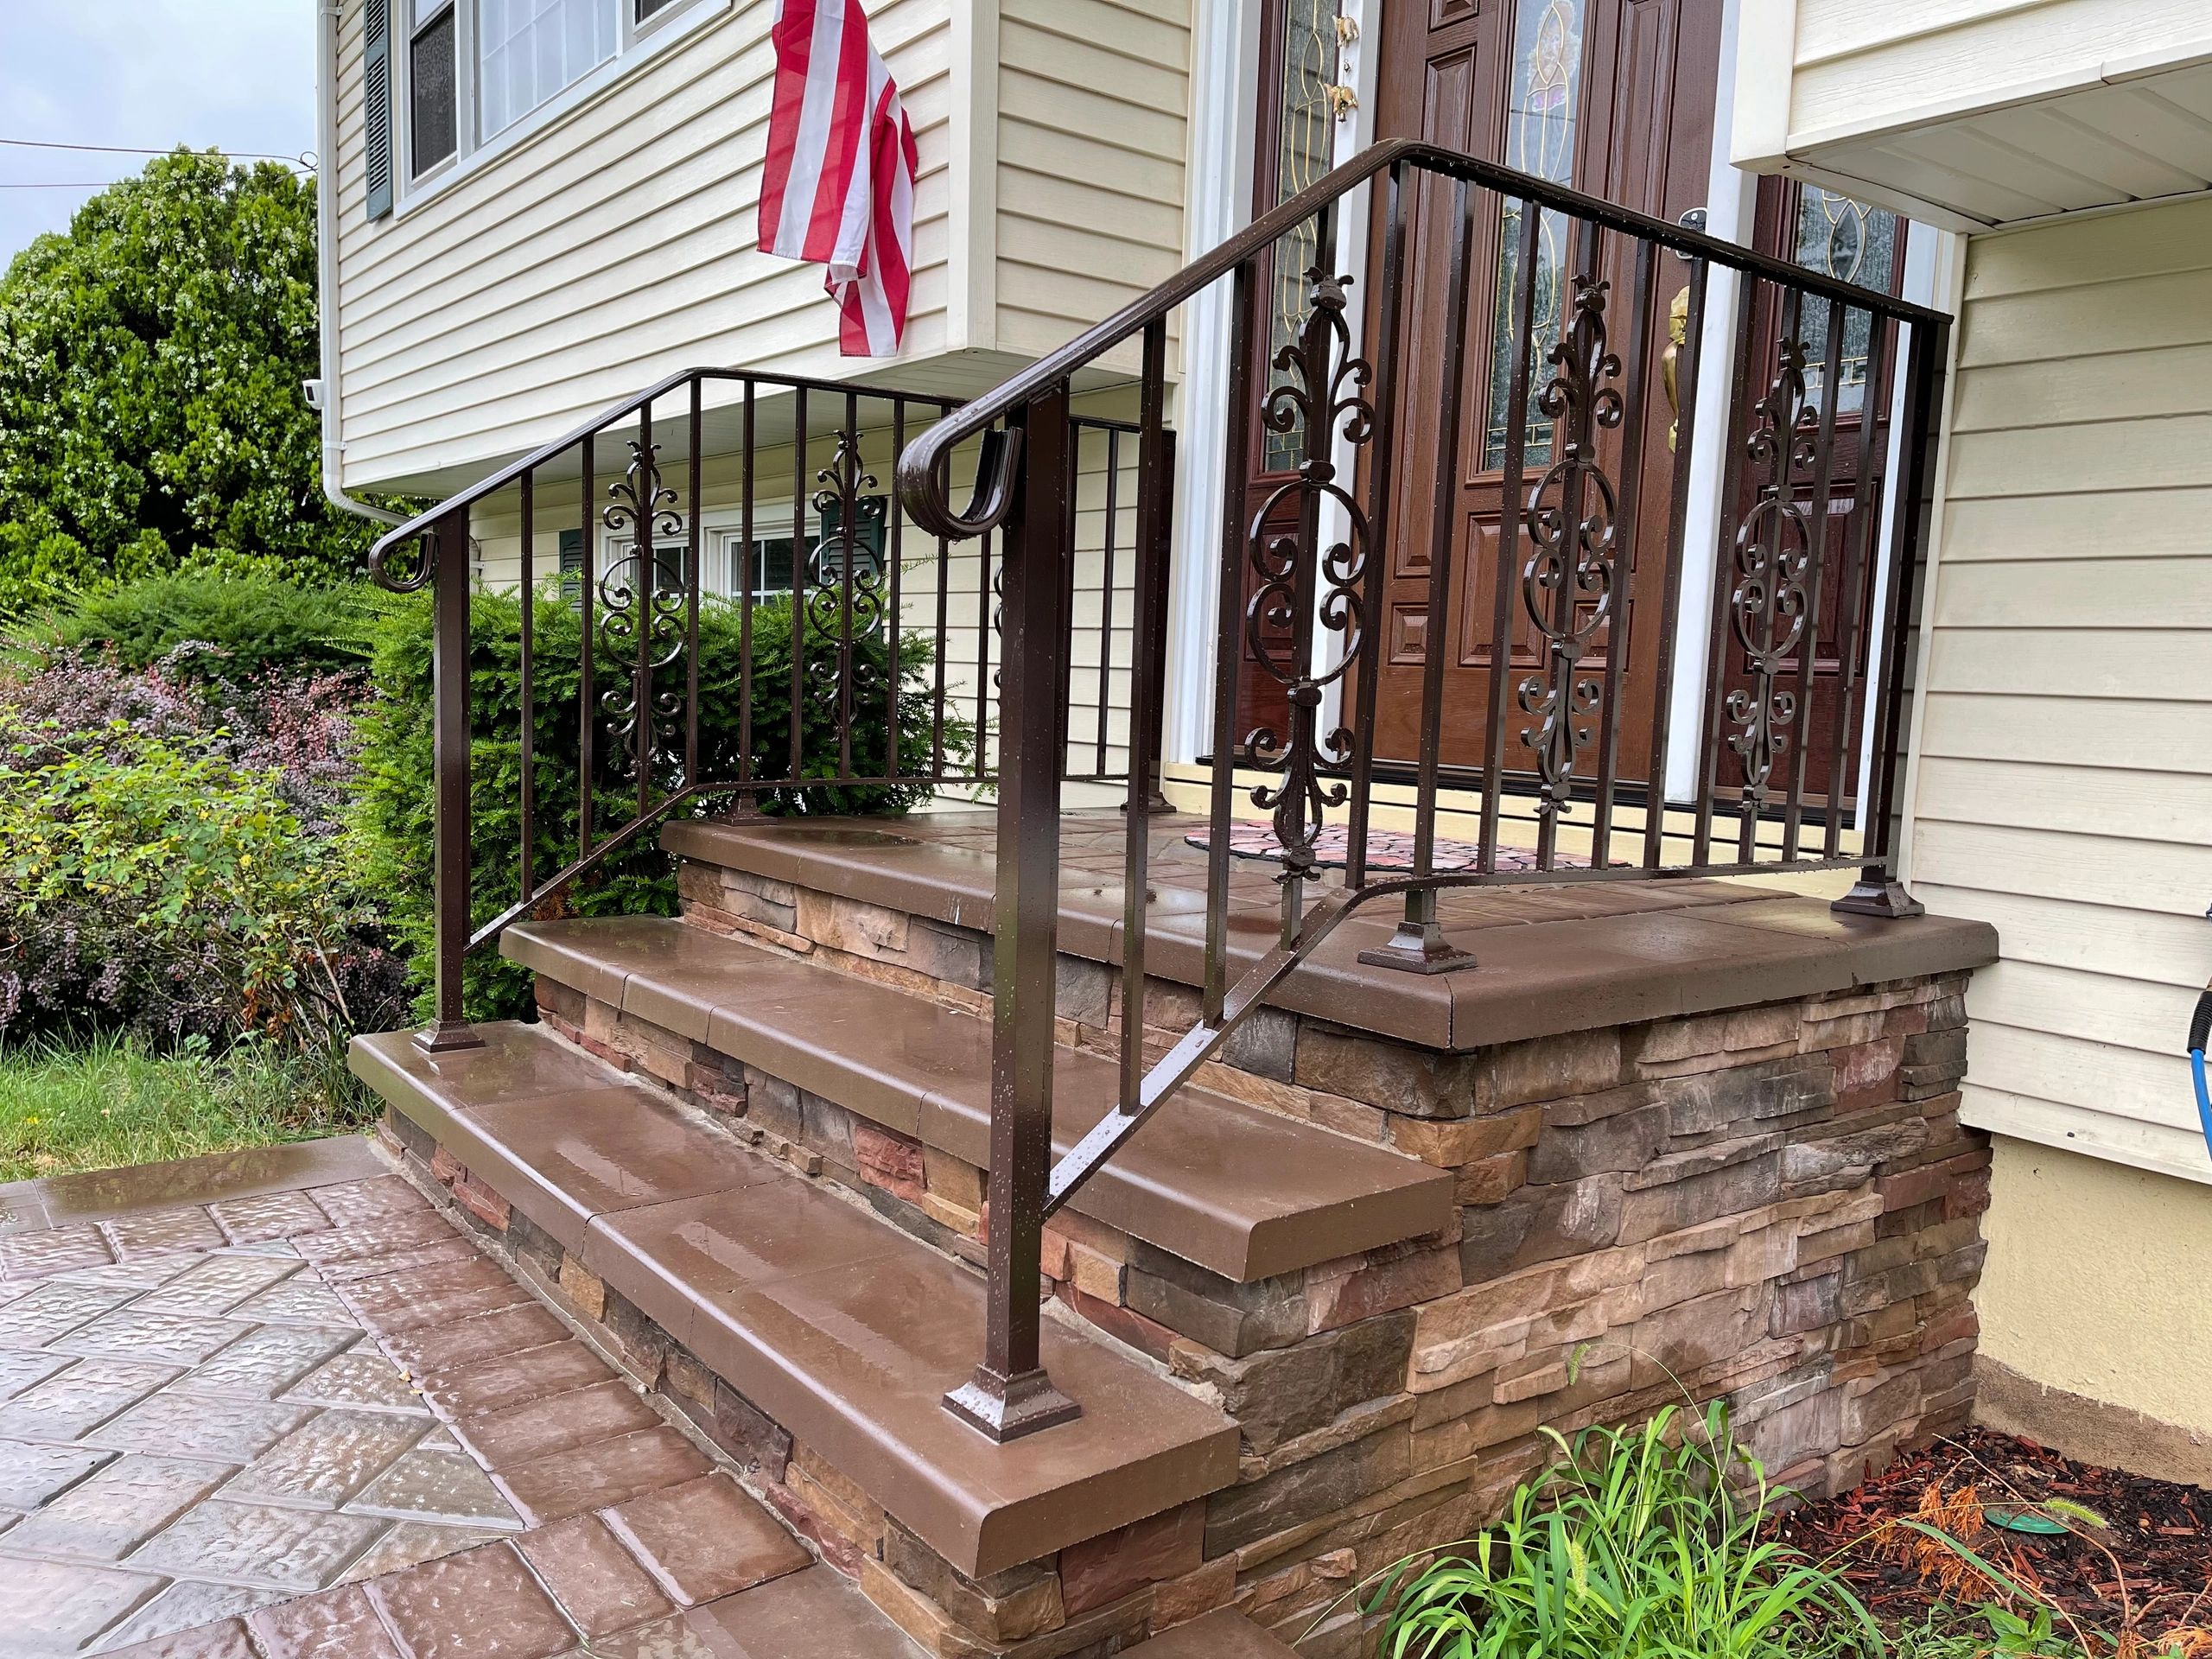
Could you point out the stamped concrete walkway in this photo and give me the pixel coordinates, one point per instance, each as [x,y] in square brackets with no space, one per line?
[276,1405]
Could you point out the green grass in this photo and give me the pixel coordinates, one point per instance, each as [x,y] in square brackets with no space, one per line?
[109,1101]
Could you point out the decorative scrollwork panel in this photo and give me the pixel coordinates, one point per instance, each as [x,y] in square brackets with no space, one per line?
[1768,600]
[642,619]
[1301,584]
[1567,586]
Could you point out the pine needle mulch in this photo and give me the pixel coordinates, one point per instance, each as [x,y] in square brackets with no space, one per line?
[2140,1583]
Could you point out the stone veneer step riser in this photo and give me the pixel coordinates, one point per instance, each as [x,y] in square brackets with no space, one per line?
[920,1070]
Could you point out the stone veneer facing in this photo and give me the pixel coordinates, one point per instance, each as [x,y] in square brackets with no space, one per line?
[1775,1204]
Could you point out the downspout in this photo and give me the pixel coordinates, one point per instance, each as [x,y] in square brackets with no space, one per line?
[323,394]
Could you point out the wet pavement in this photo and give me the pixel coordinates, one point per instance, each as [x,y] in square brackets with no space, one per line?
[306,1415]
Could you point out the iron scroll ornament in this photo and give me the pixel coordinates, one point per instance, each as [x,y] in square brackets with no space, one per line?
[839,554]
[1773,551]
[641,618]
[1326,394]
[1568,584]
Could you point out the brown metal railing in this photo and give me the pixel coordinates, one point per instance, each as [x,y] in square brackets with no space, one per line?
[1589,585]
[755,496]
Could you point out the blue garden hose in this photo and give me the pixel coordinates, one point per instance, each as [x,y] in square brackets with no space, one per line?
[2200,1028]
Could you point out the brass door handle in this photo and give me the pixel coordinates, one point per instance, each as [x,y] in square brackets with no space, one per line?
[1678,334]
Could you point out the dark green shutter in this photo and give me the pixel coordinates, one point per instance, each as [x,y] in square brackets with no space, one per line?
[572,565]
[376,104]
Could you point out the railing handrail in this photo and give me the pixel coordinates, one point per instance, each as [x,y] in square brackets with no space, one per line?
[922,467]
[419,525]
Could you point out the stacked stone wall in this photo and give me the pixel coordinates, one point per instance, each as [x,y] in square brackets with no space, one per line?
[1775,1205]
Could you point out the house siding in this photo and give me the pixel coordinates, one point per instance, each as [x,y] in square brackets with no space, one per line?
[1092,128]
[605,251]
[2064,783]
[1860,67]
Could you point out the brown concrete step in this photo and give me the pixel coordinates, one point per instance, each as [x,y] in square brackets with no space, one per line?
[1217,1636]
[842,1329]
[1245,1193]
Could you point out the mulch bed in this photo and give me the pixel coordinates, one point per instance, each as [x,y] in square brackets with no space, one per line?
[2159,1540]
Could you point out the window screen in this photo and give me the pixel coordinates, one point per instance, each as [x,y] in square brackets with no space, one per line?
[528,50]
[433,82]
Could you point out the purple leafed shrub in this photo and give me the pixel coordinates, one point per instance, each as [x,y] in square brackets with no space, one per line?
[174,866]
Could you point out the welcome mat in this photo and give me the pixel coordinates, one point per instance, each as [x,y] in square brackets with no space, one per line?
[1387,849]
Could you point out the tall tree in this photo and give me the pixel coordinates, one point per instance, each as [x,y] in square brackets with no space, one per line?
[151,416]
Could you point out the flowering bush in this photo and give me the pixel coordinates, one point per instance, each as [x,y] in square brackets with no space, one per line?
[173,893]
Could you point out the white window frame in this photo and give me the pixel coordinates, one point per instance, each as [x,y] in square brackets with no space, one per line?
[636,43]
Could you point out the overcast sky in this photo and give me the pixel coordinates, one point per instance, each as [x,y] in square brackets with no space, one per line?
[149,73]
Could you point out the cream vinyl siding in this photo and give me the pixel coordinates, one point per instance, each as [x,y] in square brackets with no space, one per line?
[1091,137]
[603,252]
[615,246]
[2064,776]
[1862,64]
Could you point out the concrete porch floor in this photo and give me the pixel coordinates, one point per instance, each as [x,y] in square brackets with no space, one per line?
[1549,958]
[277,1404]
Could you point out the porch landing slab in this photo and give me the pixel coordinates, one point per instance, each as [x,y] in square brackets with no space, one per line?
[1573,957]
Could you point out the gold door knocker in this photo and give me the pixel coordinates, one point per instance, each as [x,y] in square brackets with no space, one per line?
[1678,334]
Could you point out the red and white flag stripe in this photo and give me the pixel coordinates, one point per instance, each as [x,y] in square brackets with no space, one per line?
[839,188]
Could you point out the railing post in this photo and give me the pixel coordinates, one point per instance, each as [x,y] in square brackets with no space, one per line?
[448,558]
[1879,892]
[1009,1395]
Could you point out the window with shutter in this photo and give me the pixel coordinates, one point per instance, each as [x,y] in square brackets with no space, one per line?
[376,105]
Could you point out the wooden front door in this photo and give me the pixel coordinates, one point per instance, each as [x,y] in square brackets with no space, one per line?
[1614,98]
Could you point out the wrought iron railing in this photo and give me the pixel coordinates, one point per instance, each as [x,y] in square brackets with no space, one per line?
[1592,586]
[750,503]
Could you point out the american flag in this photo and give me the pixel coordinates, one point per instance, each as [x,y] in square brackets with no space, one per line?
[839,188]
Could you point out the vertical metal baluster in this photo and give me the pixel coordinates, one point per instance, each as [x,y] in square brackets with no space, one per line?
[586,762]
[1628,518]
[1877,891]
[1724,568]
[983,649]
[894,540]
[1064,694]
[448,553]
[1228,638]
[944,647]
[1861,548]
[526,736]
[799,564]
[645,577]
[1009,1395]
[1816,520]
[1381,484]
[1508,534]
[750,800]
[692,585]
[848,506]
[1559,667]
[1687,363]
[1419,944]
[1785,443]
[1106,593]
[1154,619]
[1152,462]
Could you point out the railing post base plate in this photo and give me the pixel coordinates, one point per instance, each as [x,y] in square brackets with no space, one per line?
[1419,948]
[1007,1408]
[1877,893]
[446,1037]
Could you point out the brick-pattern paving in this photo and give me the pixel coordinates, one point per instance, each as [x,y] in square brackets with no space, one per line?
[322,1423]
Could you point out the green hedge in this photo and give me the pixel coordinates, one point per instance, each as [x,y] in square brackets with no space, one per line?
[255,621]
[393,818]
